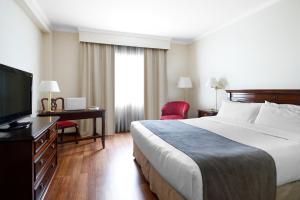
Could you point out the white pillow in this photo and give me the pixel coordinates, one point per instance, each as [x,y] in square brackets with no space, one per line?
[240,112]
[279,117]
[291,107]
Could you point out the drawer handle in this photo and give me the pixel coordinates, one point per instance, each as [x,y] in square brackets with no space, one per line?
[53,165]
[42,141]
[53,146]
[41,162]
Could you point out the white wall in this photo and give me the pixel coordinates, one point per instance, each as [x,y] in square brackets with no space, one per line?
[66,63]
[177,65]
[47,57]
[259,52]
[20,43]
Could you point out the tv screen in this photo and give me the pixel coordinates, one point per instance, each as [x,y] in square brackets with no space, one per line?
[15,94]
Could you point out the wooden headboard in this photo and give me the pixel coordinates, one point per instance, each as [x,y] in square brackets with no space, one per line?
[259,96]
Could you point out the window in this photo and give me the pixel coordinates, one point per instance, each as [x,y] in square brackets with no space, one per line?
[129,86]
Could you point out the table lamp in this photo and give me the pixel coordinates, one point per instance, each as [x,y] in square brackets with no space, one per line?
[184,83]
[49,86]
[217,85]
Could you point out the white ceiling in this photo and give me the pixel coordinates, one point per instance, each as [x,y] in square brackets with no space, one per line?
[182,20]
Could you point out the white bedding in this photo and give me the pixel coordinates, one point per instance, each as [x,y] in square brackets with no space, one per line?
[183,173]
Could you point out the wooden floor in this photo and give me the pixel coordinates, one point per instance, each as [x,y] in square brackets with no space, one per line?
[86,171]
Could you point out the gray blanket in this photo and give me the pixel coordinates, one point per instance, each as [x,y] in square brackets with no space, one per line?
[230,170]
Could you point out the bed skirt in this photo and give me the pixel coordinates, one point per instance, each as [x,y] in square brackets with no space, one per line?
[165,191]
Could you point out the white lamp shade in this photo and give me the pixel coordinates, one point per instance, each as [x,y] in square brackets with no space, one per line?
[212,83]
[184,82]
[49,86]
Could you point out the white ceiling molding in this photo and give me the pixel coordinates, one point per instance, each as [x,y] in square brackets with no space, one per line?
[181,42]
[33,10]
[240,18]
[64,28]
[124,39]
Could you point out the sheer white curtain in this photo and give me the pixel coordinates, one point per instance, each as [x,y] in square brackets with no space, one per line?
[129,86]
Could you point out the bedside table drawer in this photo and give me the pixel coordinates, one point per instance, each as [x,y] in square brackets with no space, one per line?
[206,113]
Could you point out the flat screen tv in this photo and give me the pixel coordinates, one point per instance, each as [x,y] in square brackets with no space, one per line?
[15,95]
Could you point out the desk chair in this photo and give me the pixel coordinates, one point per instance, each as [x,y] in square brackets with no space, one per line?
[61,125]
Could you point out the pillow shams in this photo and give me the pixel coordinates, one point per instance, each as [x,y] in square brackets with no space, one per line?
[291,107]
[279,117]
[239,112]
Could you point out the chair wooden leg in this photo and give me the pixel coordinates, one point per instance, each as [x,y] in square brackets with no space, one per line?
[62,136]
[76,134]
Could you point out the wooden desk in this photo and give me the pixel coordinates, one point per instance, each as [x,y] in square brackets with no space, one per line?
[81,114]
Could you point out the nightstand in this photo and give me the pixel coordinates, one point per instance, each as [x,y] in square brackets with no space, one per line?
[206,113]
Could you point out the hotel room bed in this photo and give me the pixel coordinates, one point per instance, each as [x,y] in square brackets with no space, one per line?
[174,175]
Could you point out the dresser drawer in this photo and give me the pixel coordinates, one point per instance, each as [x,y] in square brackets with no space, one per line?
[40,142]
[44,138]
[41,187]
[41,161]
[53,131]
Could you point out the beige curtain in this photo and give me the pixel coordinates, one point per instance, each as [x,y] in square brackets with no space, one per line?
[97,75]
[155,82]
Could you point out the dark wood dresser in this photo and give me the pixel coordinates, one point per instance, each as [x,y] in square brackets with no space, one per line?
[28,160]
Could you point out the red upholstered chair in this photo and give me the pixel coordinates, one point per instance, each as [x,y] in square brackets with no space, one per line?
[61,125]
[175,110]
